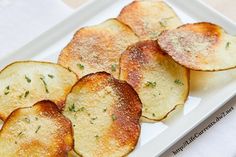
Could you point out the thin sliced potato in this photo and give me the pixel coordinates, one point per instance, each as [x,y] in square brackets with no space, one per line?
[160,83]
[22,84]
[105,114]
[97,48]
[200,46]
[36,131]
[148,18]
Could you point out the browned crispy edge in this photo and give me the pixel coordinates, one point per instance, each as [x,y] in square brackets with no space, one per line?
[59,104]
[141,43]
[117,82]
[195,69]
[44,107]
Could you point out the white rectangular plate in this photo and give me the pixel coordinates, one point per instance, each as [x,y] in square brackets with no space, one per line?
[209,91]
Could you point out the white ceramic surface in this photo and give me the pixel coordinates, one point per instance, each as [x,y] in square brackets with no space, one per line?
[209,91]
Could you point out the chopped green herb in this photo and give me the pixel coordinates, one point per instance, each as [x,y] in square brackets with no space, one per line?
[73,125]
[6,91]
[227,45]
[178,82]
[113,117]
[20,96]
[94,118]
[153,114]
[81,109]
[105,109]
[110,79]
[36,118]
[96,136]
[45,84]
[20,134]
[36,131]
[27,120]
[150,84]
[27,79]
[72,108]
[91,122]
[162,23]
[26,93]
[80,66]
[51,76]
[113,67]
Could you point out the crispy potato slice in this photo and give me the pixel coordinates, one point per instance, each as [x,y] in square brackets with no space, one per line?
[36,131]
[105,115]
[161,83]
[97,48]
[25,83]
[200,46]
[148,18]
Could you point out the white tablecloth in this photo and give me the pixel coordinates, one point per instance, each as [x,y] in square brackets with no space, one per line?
[23,20]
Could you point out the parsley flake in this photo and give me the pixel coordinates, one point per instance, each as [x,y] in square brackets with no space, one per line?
[36,131]
[26,93]
[227,45]
[27,120]
[72,108]
[20,134]
[27,79]
[162,23]
[6,91]
[94,118]
[113,67]
[51,76]
[178,82]
[80,66]
[45,84]
[20,96]
[150,84]
[113,117]
[96,136]
[81,109]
